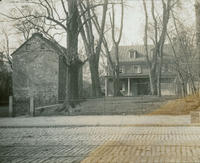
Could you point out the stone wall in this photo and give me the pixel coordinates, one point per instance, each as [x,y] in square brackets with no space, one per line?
[35,72]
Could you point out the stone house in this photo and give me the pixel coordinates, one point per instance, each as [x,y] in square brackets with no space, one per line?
[40,71]
[134,72]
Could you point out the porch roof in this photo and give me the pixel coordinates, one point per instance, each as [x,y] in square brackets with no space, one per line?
[139,76]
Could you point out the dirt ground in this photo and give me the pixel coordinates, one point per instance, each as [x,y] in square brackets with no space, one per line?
[182,106]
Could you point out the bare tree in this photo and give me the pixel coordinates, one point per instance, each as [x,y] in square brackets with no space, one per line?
[178,67]
[115,65]
[28,26]
[92,47]
[5,45]
[67,23]
[155,63]
[197,12]
[106,52]
[184,46]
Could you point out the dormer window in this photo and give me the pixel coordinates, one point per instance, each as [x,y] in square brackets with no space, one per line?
[42,46]
[28,46]
[133,54]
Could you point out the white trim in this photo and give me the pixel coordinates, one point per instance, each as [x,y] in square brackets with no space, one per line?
[129,86]
[106,87]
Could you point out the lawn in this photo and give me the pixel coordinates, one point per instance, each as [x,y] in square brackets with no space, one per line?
[182,106]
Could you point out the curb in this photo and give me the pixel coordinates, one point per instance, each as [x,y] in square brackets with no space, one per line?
[98,125]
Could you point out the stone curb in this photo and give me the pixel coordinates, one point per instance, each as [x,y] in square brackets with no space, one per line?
[98,125]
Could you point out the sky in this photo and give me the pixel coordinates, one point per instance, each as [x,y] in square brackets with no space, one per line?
[133,28]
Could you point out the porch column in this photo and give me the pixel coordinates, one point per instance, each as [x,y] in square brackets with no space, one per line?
[129,86]
[106,86]
[188,88]
[32,109]
[10,106]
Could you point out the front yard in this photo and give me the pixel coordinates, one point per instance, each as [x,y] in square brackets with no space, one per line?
[182,106]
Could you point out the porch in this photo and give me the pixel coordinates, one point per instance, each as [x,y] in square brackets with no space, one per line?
[138,86]
[128,86]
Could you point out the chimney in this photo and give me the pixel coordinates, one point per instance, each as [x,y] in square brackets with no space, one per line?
[37,34]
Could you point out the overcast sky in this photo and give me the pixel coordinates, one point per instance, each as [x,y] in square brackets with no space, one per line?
[133,19]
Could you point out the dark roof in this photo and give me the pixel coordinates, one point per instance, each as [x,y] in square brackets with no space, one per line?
[142,75]
[52,43]
[124,52]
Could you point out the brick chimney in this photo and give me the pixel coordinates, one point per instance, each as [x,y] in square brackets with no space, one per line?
[37,34]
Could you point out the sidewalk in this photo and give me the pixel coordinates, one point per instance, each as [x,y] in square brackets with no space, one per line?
[130,120]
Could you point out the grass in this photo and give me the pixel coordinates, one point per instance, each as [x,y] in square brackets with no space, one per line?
[181,106]
[111,106]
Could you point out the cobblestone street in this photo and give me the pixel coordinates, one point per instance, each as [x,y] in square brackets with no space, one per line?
[100,144]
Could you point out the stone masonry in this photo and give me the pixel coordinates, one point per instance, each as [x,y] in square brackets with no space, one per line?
[36,71]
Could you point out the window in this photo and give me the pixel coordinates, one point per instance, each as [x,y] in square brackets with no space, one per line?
[133,54]
[121,69]
[170,68]
[28,46]
[165,68]
[122,88]
[42,46]
[137,69]
[151,53]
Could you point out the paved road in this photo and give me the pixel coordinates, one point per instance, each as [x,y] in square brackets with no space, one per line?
[100,144]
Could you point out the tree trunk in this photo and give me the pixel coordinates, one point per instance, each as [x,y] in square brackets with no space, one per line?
[153,74]
[159,71]
[193,85]
[153,80]
[183,84]
[197,11]
[72,89]
[73,80]
[94,70]
[116,81]
[159,80]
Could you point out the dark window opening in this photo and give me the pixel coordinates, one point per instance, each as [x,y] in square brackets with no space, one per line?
[121,69]
[28,46]
[133,54]
[137,69]
[42,46]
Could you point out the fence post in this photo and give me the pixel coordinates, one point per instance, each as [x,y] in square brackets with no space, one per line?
[32,109]
[104,106]
[10,106]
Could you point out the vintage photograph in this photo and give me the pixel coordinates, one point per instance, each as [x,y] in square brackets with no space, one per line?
[99,81]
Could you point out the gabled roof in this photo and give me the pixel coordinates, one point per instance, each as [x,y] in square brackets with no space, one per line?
[124,52]
[60,49]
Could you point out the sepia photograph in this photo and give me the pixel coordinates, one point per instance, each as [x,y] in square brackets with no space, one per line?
[99,81]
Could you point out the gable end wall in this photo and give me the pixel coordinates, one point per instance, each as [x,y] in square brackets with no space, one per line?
[35,73]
